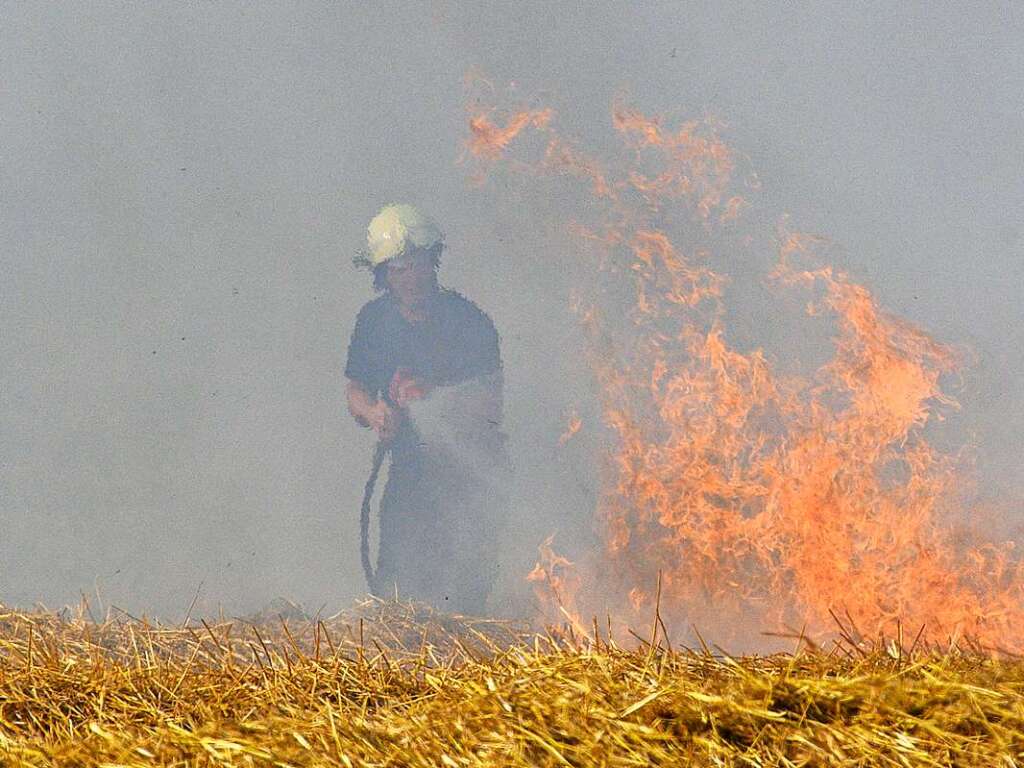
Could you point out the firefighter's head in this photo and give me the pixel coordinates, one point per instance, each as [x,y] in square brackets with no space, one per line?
[411,278]
[404,250]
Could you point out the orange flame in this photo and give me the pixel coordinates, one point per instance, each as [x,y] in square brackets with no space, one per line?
[574,426]
[556,584]
[762,498]
[489,140]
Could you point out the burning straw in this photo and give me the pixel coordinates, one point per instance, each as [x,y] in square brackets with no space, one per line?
[769,490]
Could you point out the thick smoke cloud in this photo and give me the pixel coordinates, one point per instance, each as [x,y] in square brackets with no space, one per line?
[184,186]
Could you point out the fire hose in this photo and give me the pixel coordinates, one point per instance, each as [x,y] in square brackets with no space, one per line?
[364,518]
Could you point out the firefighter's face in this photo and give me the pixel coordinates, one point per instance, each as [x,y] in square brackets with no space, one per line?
[412,279]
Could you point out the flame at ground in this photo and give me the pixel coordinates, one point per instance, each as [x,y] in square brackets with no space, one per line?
[759,499]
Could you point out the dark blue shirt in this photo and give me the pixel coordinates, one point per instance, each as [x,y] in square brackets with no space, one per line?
[456,343]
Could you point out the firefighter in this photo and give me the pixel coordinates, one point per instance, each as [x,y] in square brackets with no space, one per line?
[424,373]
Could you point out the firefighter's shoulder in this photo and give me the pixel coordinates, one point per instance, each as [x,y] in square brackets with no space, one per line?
[373,309]
[465,309]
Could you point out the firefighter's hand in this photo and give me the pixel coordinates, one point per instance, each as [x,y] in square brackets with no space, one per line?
[405,389]
[384,420]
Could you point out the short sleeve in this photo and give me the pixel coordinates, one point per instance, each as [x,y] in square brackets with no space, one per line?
[480,344]
[491,351]
[361,366]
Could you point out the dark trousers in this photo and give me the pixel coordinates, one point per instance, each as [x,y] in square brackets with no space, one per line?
[439,533]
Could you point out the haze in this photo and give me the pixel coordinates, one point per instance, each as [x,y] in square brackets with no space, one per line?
[184,185]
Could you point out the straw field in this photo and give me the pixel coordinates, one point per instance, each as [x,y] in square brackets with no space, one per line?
[388,684]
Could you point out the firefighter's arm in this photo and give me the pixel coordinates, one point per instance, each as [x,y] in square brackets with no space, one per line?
[495,400]
[368,411]
[486,403]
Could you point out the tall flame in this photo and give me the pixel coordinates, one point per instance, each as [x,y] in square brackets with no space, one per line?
[758,499]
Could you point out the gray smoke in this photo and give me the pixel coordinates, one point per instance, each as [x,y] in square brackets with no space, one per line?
[184,185]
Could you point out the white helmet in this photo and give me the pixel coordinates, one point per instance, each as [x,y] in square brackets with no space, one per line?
[397,230]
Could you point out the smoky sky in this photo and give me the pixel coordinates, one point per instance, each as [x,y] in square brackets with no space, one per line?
[184,185]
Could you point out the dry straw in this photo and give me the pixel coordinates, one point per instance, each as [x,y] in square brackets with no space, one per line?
[390,684]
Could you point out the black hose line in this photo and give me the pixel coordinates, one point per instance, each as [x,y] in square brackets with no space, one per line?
[364,518]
